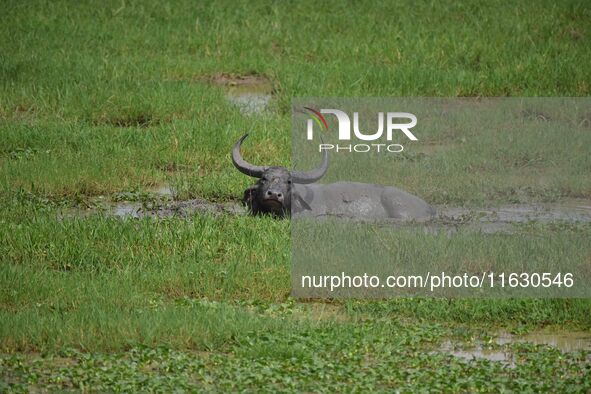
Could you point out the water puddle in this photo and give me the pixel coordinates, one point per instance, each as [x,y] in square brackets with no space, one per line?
[504,219]
[249,102]
[482,228]
[566,342]
[478,353]
[569,211]
[252,94]
[509,219]
[126,210]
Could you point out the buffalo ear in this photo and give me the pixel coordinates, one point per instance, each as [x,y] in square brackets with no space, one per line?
[300,203]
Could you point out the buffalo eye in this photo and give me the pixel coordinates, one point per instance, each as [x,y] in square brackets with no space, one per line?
[289,182]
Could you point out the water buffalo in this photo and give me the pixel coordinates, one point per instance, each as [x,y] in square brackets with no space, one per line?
[281,192]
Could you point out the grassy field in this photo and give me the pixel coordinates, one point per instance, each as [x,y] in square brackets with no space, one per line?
[100,100]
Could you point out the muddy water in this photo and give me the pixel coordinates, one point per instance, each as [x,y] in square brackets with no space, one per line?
[126,210]
[161,203]
[504,219]
[129,209]
[568,210]
[252,94]
[250,99]
[565,341]
[451,220]
[477,352]
[174,208]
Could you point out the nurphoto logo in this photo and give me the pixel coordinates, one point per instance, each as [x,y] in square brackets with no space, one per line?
[393,125]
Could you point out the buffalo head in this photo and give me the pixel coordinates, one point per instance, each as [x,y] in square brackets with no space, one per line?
[273,192]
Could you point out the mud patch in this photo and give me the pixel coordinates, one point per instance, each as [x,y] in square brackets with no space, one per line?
[174,208]
[532,114]
[567,214]
[159,201]
[232,80]
[504,219]
[156,209]
[138,120]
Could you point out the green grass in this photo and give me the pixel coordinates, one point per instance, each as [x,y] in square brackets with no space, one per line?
[109,99]
[346,357]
